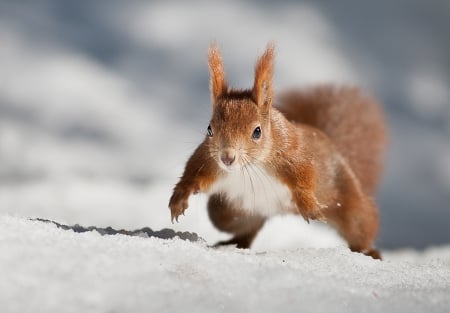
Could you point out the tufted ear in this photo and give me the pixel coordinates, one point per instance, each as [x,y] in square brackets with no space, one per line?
[262,91]
[218,83]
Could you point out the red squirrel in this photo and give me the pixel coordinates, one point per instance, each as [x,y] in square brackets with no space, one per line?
[315,152]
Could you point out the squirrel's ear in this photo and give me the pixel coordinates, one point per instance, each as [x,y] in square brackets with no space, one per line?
[218,83]
[262,88]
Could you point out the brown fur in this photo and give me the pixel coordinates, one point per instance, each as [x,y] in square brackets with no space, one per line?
[218,84]
[353,121]
[325,146]
[225,216]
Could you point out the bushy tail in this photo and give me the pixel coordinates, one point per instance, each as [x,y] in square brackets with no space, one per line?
[354,122]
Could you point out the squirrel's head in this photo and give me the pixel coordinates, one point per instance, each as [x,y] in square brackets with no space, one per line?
[239,133]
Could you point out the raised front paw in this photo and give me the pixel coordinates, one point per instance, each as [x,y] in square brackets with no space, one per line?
[178,203]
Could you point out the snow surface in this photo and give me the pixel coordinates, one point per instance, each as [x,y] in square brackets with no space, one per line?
[47,269]
[101,104]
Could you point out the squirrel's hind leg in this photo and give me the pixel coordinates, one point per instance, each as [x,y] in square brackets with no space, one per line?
[226,217]
[356,220]
[355,215]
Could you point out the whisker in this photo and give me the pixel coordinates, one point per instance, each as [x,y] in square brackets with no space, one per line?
[256,167]
[259,175]
[246,163]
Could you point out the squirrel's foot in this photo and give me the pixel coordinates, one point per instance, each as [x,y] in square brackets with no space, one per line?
[315,215]
[178,204]
[309,207]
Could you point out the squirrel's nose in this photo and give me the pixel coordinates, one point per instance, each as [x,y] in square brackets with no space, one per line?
[228,157]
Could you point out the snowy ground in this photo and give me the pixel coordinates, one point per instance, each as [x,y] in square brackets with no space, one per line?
[46,269]
[101,104]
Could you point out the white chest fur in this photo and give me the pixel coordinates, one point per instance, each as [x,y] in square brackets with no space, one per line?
[254,190]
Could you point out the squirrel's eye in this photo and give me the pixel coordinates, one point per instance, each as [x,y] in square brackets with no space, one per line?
[209,131]
[257,133]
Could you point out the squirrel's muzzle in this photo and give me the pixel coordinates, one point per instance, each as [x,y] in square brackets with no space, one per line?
[228,157]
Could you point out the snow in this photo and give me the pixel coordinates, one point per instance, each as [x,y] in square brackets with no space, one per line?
[100,106]
[48,269]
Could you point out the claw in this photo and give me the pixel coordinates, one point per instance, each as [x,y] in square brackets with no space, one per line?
[322,219]
[178,204]
[306,218]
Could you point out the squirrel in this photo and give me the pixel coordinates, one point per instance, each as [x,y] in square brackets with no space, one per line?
[316,152]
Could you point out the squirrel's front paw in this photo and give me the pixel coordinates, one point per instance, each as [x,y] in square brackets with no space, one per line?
[178,203]
[318,215]
[315,214]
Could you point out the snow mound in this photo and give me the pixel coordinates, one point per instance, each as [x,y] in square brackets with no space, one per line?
[48,269]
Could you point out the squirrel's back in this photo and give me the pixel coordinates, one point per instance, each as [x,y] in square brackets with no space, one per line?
[353,121]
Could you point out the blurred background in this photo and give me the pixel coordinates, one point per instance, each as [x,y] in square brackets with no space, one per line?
[102,102]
